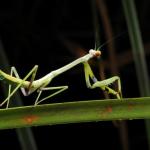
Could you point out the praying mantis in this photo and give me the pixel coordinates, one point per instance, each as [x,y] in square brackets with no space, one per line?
[29,86]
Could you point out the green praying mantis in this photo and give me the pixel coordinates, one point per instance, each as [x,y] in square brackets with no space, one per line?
[29,86]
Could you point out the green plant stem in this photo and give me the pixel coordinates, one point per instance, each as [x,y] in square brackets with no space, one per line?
[73,112]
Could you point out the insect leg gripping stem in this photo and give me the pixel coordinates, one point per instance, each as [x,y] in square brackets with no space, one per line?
[104,85]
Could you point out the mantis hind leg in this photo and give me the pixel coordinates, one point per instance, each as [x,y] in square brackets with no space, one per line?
[59,88]
[32,73]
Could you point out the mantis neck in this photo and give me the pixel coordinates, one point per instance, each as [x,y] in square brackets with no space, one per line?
[71,65]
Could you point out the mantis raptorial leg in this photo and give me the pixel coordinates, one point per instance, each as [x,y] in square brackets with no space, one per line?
[104,85]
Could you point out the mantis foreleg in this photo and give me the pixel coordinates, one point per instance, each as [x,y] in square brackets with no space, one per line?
[104,85]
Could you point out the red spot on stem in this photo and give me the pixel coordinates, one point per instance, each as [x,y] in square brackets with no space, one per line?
[130,106]
[30,119]
[109,109]
[106,111]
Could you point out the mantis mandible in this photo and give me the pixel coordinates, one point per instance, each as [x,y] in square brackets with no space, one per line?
[40,85]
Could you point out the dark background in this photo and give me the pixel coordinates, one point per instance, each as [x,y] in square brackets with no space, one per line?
[33,32]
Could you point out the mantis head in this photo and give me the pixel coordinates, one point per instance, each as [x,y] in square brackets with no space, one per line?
[95,53]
